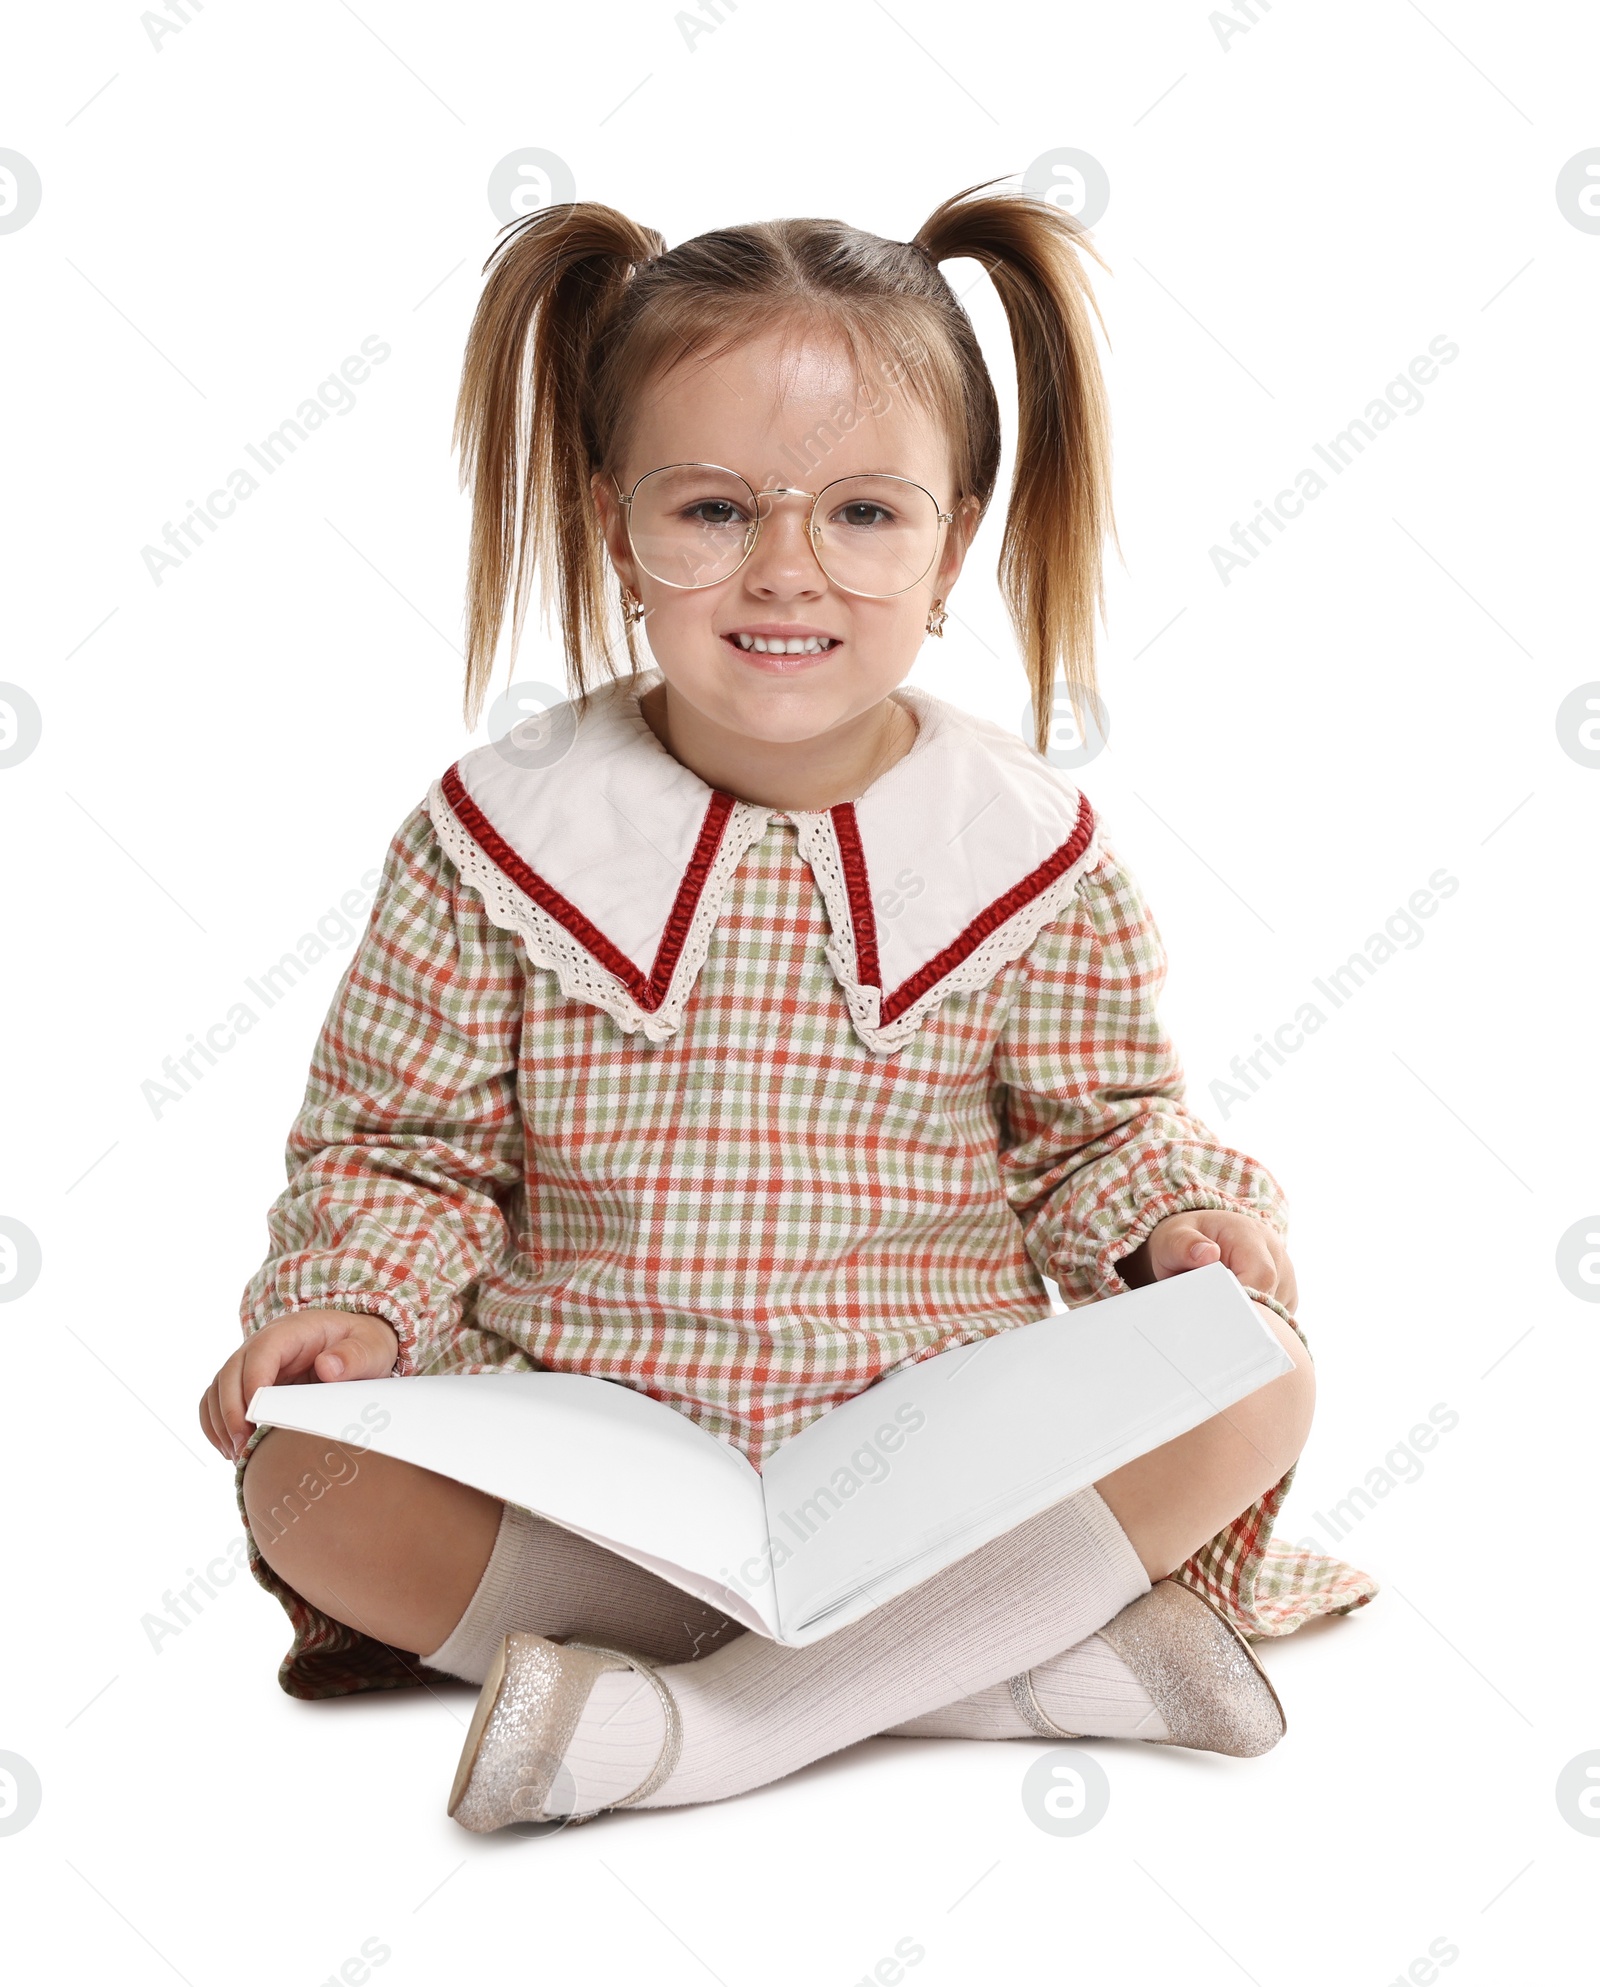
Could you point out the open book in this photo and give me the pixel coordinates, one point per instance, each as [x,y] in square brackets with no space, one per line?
[874,1496]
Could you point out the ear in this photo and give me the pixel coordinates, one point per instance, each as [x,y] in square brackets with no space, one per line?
[613,526]
[958,537]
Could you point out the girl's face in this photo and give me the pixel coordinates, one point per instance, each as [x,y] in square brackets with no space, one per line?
[797,418]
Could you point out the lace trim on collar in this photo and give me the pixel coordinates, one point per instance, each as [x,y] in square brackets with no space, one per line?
[1002,932]
[559,937]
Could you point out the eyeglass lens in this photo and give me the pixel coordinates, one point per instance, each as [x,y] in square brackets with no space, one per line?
[692,524]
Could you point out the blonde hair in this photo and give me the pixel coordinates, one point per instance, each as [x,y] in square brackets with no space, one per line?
[582,308]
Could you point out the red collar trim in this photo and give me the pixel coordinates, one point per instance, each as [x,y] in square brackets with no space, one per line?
[626,898]
[648,990]
[1000,912]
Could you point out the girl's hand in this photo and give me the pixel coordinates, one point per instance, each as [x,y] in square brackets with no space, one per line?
[1253,1251]
[305,1345]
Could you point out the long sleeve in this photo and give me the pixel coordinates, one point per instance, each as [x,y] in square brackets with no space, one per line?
[1097,1142]
[409,1140]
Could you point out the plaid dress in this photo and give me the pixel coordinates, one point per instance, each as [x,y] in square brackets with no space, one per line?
[745,1107]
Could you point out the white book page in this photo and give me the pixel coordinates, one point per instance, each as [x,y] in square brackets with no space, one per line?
[941,1457]
[599,1458]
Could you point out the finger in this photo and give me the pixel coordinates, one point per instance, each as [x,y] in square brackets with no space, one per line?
[1247,1253]
[362,1349]
[296,1340]
[1283,1286]
[220,1437]
[230,1402]
[1179,1245]
[265,1359]
[341,1355]
[208,1422]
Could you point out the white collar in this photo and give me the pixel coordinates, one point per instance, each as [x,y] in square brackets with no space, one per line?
[610,859]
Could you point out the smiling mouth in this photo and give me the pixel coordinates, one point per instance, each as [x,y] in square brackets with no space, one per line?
[778,645]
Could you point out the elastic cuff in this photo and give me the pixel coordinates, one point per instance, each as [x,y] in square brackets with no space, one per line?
[1184,1200]
[373,1304]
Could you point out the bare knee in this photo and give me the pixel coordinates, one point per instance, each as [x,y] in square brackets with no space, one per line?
[285,1482]
[1174,1498]
[376,1543]
[1248,1447]
[1278,1415]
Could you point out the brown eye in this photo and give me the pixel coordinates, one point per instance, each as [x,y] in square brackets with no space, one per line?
[713,510]
[863,516]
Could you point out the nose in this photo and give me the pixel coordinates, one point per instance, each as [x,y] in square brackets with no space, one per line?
[783,565]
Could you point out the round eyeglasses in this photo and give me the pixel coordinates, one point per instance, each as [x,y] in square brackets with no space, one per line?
[693,524]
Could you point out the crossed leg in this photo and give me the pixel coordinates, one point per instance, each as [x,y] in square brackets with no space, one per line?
[400,1553]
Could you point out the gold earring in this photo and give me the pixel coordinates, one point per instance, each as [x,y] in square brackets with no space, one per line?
[632,608]
[936,618]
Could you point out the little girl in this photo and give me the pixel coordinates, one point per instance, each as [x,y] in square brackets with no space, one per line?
[754,1024]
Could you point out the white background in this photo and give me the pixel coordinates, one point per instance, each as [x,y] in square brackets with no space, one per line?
[1295,212]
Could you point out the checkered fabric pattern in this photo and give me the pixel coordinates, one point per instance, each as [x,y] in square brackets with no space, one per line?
[756,1219]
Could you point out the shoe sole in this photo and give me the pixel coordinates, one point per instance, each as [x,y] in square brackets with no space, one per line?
[482,1711]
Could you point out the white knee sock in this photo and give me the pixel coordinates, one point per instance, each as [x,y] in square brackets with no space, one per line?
[1088,1689]
[548,1580]
[753,1711]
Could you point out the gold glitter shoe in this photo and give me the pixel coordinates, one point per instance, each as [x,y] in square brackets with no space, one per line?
[1201,1674]
[523,1723]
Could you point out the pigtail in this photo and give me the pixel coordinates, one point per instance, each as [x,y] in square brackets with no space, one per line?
[553,282]
[1060,508]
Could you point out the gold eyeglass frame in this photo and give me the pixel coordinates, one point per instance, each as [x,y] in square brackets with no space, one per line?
[813,529]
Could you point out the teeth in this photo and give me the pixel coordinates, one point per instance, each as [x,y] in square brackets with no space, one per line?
[795,645]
